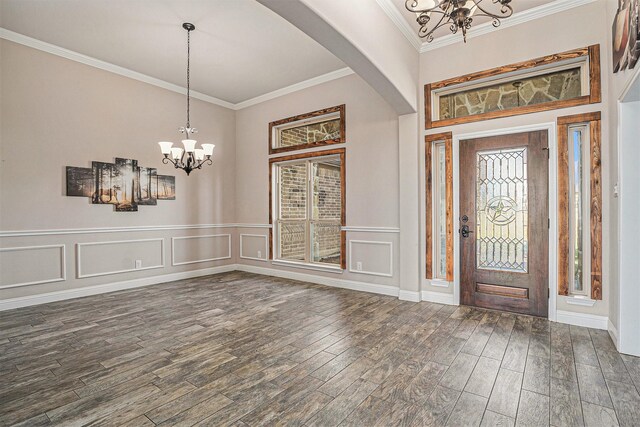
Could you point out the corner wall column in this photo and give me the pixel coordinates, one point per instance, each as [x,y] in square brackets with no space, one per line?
[409,209]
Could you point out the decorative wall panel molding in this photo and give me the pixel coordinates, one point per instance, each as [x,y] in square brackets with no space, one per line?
[193,261]
[265,252]
[352,259]
[80,261]
[62,276]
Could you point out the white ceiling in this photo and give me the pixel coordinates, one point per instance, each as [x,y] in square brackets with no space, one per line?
[240,49]
[517,5]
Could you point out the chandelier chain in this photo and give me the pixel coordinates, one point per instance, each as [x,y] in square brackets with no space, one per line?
[188,76]
[189,158]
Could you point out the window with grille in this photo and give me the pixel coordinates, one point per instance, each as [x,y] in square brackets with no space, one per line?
[309,210]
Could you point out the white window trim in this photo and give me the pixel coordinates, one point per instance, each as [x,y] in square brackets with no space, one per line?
[304,122]
[582,62]
[586,214]
[277,260]
[435,215]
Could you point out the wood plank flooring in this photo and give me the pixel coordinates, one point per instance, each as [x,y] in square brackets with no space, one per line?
[247,350]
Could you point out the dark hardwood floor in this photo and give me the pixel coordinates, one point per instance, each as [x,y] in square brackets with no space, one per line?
[243,349]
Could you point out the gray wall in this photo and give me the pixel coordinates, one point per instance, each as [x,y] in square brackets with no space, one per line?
[371,168]
[56,113]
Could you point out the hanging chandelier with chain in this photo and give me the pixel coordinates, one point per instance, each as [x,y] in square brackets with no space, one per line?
[190,157]
[457,14]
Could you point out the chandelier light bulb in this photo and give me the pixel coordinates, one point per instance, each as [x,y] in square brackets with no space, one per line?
[208,149]
[189,145]
[165,147]
[199,153]
[176,153]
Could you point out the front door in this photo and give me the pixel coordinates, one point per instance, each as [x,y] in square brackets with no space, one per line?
[504,231]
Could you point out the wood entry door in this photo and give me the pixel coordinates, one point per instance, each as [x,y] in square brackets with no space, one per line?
[504,224]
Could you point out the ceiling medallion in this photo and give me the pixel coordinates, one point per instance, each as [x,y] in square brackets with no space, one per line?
[457,14]
[191,157]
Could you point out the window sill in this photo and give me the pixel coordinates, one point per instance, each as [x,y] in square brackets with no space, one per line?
[316,267]
[580,300]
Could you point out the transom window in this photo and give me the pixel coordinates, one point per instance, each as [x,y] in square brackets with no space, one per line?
[309,210]
[308,130]
[561,80]
[539,87]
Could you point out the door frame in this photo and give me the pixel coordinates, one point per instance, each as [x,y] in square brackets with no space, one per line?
[550,127]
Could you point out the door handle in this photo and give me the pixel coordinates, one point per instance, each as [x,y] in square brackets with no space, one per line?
[464,231]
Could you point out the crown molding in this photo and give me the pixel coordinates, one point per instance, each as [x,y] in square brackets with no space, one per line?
[405,28]
[410,32]
[97,63]
[333,75]
[93,62]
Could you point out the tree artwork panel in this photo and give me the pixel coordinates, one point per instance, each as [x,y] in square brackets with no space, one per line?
[147,188]
[126,182]
[123,184]
[104,188]
[79,182]
[166,187]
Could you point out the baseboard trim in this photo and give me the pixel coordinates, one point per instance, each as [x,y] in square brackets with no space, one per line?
[321,280]
[438,297]
[613,333]
[66,294]
[582,319]
[409,296]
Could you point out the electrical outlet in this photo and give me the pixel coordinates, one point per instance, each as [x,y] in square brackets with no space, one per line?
[138,263]
[259,254]
[359,266]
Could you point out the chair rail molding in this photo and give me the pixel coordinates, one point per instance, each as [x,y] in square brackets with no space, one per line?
[365,229]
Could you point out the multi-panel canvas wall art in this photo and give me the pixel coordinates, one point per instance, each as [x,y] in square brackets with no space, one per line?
[123,184]
[626,35]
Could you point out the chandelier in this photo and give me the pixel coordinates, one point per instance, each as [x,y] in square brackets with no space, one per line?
[190,157]
[457,14]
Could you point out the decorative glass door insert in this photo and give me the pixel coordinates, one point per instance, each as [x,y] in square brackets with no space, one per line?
[502,210]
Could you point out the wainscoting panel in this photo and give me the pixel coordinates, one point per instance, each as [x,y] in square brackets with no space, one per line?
[122,256]
[32,265]
[254,246]
[371,257]
[194,249]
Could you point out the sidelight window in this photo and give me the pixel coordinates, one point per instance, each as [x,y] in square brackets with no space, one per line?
[579,195]
[440,211]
